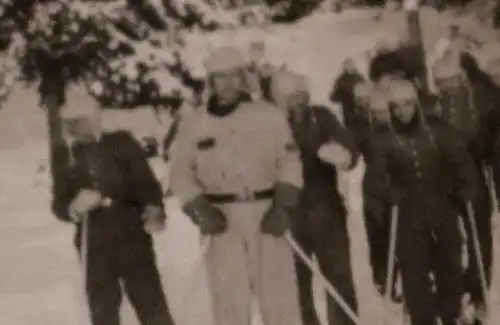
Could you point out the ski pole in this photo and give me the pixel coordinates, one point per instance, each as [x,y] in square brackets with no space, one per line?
[328,286]
[84,258]
[391,262]
[479,256]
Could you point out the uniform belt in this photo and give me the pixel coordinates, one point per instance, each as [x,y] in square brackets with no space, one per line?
[245,196]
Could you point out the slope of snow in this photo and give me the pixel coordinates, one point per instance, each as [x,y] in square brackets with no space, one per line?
[39,272]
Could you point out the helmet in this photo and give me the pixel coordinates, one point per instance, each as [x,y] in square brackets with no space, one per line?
[224,59]
[403,91]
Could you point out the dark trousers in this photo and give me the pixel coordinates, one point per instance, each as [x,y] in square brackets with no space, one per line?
[421,251]
[482,207]
[378,224]
[134,269]
[321,230]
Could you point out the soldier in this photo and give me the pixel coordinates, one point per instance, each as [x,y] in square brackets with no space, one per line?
[376,207]
[103,184]
[320,226]
[343,93]
[464,103]
[419,163]
[237,173]
[365,107]
[258,72]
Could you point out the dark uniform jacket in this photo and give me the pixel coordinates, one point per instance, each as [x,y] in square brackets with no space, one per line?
[343,94]
[366,140]
[485,98]
[468,108]
[318,126]
[419,166]
[115,166]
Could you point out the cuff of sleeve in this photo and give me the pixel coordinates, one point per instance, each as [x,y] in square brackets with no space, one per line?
[287,195]
[354,161]
[193,208]
[153,200]
[61,212]
[168,194]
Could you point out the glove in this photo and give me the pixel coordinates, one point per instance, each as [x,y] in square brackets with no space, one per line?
[335,154]
[86,201]
[210,219]
[154,218]
[277,219]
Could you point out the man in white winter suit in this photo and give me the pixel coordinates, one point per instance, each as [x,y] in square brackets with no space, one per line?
[237,173]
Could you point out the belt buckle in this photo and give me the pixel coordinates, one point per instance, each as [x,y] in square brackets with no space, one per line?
[246,195]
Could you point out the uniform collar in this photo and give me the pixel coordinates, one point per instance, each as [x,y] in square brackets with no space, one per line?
[216,109]
[304,115]
[405,128]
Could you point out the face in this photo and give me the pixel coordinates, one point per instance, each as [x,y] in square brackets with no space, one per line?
[84,128]
[404,109]
[494,73]
[385,81]
[257,51]
[349,66]
[449,84]
[228,85]
[380,111]
[381,115]
[296,102]
[496,78]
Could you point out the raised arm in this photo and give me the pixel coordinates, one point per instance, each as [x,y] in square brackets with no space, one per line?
[146,186]
[64,187]
[333,131]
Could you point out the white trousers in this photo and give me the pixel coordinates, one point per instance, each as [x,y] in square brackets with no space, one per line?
[243,262]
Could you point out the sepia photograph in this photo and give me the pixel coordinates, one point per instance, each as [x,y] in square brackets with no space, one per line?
[249,162]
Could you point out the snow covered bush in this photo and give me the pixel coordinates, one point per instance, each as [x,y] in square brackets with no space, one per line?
[122,50]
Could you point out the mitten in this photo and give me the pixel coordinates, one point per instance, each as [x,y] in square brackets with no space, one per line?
[206,216]
[154,218]
[86,201]
[277,219]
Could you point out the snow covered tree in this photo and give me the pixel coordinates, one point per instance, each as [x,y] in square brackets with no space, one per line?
[122,51]
[122,47]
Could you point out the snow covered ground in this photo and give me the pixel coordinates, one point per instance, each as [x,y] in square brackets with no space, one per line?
[38,270]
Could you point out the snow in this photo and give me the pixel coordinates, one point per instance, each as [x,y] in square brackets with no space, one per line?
[39,272]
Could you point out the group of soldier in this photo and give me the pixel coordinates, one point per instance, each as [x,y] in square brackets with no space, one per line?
[259,179]
[434,157]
